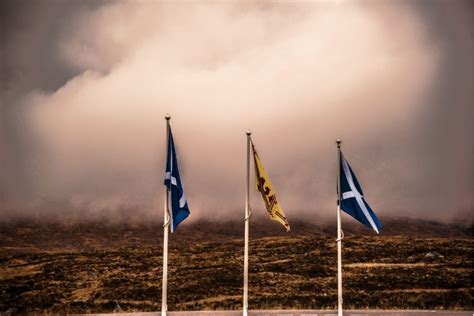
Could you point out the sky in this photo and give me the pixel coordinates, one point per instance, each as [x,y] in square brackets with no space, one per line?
[85,86]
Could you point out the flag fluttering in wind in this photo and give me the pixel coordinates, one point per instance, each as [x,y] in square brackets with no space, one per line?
[352,201]
[263,184]
[265,187]
[352,198]
[179,205]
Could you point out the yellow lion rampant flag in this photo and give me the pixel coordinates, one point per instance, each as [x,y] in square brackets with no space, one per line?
[263,184]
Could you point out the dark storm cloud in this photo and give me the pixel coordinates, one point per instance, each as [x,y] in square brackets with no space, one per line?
[29,59]
[86,85]
[31,32]
[446,130]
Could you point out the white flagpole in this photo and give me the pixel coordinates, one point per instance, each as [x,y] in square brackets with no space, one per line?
[339,234]
[166,223]
[246,219]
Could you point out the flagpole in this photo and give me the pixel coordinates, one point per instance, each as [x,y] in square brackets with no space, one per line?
[166,223]
[339,233]
[246,219]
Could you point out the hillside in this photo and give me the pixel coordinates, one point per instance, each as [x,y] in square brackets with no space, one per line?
[94,267]
[48,235]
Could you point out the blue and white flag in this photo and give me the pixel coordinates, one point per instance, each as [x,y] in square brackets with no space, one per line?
[352,198]
[179,205]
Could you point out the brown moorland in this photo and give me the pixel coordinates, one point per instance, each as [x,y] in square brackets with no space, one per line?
[93,267]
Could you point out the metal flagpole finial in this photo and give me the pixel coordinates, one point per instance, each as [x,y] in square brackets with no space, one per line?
[167,116]
[338,142]
[248,132]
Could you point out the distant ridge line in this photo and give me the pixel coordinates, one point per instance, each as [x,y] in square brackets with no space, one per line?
[25,235]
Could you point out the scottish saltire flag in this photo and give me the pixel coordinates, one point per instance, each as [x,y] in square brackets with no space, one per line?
[179,205]
[352,198]
[263,184]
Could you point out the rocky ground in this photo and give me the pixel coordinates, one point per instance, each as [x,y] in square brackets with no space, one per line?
[105,268]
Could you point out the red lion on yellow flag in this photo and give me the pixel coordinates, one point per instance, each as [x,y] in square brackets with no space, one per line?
[263,184]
